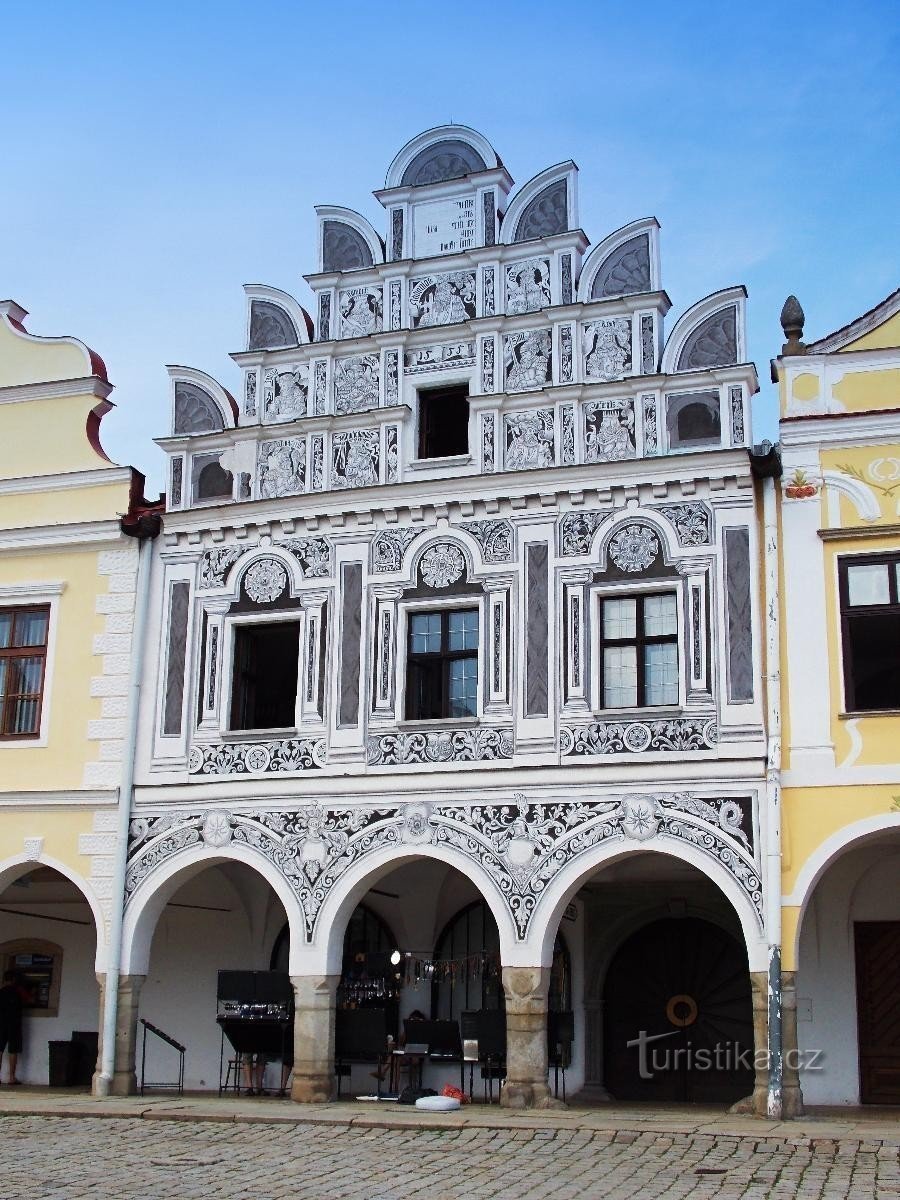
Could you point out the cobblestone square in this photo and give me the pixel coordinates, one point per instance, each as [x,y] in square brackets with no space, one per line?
[89,1158]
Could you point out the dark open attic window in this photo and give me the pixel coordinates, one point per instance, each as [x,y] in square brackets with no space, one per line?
[214,482]
[264,681]
[444,421]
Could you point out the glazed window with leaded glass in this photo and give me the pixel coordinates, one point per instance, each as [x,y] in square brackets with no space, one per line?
[639,651]
[870,627]
[23,665]
[442,664]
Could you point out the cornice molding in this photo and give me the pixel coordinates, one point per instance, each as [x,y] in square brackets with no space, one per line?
[79,535]
[90,385]
[63,482]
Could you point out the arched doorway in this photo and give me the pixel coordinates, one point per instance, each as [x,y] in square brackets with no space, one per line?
[49,939]
[678,1015]
[848,976]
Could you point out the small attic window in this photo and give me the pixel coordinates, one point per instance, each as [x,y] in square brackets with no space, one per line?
[211,480]
[444,421]
[693,420]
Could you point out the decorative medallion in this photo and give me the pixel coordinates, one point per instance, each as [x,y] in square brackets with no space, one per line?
[216,829]
[634,548]
[265,581]
[442,565]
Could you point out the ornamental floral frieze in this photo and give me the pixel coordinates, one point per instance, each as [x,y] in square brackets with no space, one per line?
[692,520]
[461,745]
[313,556]
[520,848]
[286,755]
[577,529]
[494,537]
[671,736]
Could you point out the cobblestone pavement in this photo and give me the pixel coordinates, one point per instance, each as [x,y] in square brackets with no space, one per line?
[87,1158]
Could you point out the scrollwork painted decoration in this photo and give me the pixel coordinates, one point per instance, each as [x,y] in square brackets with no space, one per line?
[516,848]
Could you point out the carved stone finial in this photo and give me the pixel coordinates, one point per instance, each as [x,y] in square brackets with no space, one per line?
[792,319]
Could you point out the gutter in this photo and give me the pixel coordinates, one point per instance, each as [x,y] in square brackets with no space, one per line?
[768,466]
[145,526]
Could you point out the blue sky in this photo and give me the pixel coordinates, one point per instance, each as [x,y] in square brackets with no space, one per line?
[155,158]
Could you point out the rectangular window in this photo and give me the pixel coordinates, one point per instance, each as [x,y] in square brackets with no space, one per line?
[639,651]
[870,630]
[23,664]
[442,665]
[444,421]
[264,680]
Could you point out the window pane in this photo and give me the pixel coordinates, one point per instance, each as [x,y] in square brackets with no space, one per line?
[24,717]
[25,675]
[464,630]
[31,629]
[868,584]
[6,619]
[463,687]
[424,697]
[425,633]
[660,615]
[661,674]
[4,663]
[619,618]
[874,661]
[619,676]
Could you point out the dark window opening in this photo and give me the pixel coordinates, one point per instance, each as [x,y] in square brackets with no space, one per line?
[639,651]
[444,421]
[870,620]
[214,482]
[698,423]
[693,420]
[264,687]
[442,665]
[23,661]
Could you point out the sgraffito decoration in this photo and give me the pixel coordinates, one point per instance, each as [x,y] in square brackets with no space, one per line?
[516,848]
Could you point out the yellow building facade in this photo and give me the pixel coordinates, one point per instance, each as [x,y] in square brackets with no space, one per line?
[67,600]
[839,616]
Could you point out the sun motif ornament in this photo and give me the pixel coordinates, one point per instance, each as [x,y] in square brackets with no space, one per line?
[640,817]
[257,758]
[442,565]
[265,581]
[417,827]
[634,548]
[216,829]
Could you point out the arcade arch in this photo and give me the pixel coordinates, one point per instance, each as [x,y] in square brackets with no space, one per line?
[848,970]
[50,938]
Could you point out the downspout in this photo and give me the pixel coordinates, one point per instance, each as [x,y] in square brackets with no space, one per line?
[774,1097]
[145,529]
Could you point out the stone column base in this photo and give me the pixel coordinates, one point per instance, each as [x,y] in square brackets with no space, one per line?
[313,1081]
[526,1086]
[124,1080]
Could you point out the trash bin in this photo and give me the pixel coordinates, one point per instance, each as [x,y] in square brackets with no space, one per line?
[84,1046]
[61,1064]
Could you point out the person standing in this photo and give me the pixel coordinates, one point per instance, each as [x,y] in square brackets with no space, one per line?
[11,1023]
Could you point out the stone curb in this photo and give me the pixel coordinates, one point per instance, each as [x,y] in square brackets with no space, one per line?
[865,1137]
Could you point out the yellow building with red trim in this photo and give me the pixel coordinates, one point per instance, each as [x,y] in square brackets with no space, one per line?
[839,557]
[67,601]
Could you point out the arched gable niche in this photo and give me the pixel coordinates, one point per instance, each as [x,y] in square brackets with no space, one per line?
[344,248]
[546,214]
[441,154]
[625,271]
[195,410]
[712,344]
[450,158]
[270,327]
[709,334]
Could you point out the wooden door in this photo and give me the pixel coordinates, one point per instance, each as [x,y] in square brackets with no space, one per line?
[878,1010]
[685,983]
